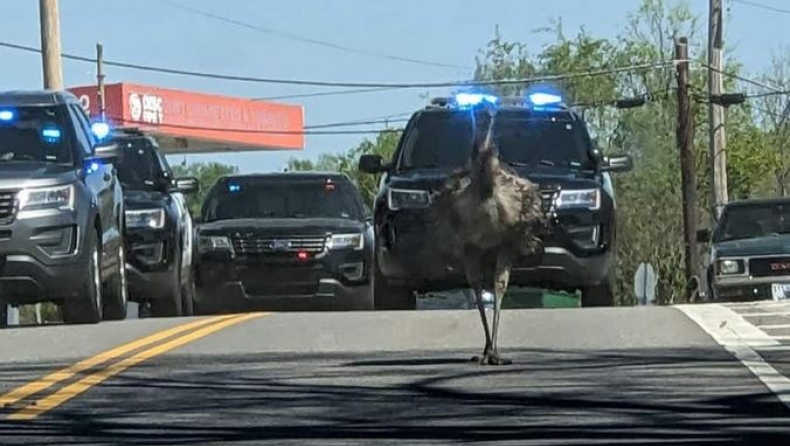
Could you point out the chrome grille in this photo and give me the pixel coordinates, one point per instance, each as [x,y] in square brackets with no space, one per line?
[253,244]
[8,206]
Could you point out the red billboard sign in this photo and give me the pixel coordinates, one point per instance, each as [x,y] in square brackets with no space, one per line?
[254,125]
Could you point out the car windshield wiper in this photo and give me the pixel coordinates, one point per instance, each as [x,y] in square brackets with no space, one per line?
[547,163]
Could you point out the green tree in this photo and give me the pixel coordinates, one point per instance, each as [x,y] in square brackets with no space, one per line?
[207,174]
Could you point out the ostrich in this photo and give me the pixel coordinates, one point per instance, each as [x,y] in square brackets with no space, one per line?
[486,216]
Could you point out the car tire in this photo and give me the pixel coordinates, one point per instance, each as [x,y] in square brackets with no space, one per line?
[188,296]
[170,305]
[388,297]
[598,296]
[116,293]
[3,313]
[88,306]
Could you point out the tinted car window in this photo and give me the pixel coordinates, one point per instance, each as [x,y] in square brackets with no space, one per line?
[37,134]
[445,140]
[299,198]
[754,220]
[138,165]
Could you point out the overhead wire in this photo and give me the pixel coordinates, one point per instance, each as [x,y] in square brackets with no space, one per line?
[295,37]
[340,84]
[762,6]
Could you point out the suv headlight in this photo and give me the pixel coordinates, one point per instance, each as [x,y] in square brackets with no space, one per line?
[730,266]
[214,243]
[145,218]
[407,199]
[579,199]
[58,197]
[346,241]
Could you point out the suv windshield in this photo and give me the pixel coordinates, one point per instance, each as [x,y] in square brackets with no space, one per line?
[35,134]
[754,220]
[138,166]
[444,140]
[282,198]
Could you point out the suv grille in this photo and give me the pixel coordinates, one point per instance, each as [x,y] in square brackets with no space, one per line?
[769,266]
[252,244]
[8,206]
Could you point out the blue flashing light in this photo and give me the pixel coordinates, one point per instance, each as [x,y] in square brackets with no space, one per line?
[100,129]
[472,99]
[51,134]
[92,166]
[6,115]
[234,187]
[542,99]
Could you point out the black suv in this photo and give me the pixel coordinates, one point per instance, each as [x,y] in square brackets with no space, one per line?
[159,232]
[750,252]
[61,209]
[539,137]
[289,241]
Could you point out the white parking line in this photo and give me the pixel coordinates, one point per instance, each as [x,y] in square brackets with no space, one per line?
[774,327]
[740,338]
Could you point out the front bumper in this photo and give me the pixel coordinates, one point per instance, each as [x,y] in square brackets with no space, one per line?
[739,289]
[42,258]
[333,281]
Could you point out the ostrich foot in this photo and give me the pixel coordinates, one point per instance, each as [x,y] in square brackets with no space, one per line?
[491,358]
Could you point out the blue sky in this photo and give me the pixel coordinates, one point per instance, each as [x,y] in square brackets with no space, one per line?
[149,32]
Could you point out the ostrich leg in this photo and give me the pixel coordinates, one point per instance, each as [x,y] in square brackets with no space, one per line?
[482,309]
[500,288]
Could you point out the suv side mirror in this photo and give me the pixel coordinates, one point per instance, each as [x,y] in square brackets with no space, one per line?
[187,185]
[371,164]
[617,163]
[106,150]
[703,235]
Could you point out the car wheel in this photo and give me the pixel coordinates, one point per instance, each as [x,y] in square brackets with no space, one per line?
[188,296]
[3,313]
[387,297]
[170,305]
[598,296]
[116,293]
[87,307]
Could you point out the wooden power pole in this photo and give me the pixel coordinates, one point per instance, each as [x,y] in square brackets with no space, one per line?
[100,80]
[717,155]
[50,44]
[685,141]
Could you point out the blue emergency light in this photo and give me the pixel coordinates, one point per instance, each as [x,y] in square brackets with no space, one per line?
[543,99]
[234,187]
[472,99]
[50,134]
[100,129]
[6,115]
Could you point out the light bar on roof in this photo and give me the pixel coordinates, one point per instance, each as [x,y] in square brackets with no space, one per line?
[6,115]
[100,129]
[541,99]
[472,99]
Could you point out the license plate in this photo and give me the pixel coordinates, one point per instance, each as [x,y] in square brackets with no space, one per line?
[780,291]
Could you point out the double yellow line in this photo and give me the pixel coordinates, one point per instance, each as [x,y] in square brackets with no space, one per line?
[202,328]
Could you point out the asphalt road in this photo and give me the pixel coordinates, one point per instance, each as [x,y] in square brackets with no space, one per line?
[581,376]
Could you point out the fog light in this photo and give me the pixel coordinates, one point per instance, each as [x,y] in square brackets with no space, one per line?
[352,271]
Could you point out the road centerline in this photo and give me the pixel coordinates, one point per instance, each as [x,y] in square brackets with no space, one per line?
[47,381]
[45,404]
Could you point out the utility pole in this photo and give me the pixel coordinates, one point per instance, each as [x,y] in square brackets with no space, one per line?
[685,142]
[100,79]
[50,44]
[717,155]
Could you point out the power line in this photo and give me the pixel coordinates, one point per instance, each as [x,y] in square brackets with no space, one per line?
[763,6]
[394,85]
[743,78]
[324,93]
[307,39]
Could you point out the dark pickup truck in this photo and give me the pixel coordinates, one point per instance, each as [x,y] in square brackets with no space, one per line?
[750,252]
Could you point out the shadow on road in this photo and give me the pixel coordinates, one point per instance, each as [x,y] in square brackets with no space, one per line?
[694,396]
